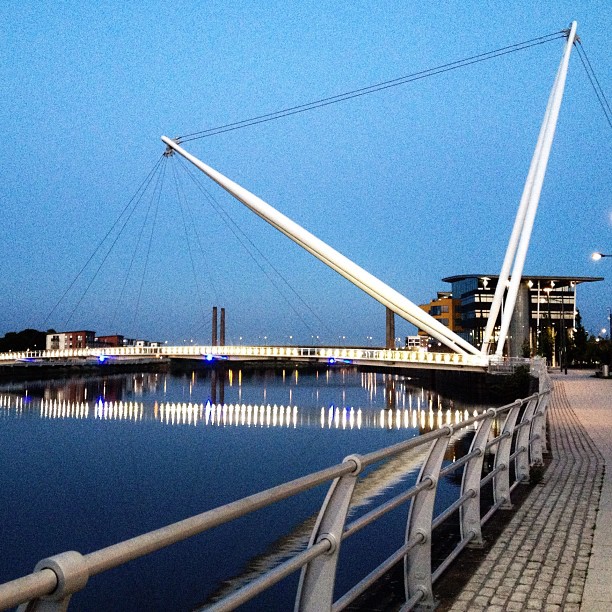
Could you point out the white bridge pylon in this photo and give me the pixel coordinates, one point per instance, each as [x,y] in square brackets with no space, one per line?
[374,287]
[518,243]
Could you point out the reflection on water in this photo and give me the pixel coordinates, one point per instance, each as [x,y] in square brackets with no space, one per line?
[341,399]
[346,387]
[224,415]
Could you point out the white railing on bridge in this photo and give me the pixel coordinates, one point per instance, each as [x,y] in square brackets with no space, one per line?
[520,443]
[290,353]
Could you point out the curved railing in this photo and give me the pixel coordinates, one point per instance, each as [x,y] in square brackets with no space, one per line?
[216,353]
[521,442]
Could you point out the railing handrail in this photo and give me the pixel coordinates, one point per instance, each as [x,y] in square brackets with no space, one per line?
[72,570]
[211,353]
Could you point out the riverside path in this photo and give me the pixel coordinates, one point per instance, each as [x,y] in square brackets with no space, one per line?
[556,552]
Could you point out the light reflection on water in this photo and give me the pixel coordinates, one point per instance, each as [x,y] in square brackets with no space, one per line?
[138,451]
[222,415]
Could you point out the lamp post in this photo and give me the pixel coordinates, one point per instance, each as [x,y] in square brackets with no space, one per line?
[597,256]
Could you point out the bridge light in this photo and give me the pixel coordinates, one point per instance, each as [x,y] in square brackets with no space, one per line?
[102,358]
[209,357]
[331,361]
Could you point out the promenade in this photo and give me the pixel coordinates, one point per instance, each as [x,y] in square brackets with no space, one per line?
[556,551]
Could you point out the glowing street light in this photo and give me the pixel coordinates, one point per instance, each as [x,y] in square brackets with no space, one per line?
[598,256]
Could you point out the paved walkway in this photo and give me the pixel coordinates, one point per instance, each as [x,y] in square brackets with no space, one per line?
[556,552]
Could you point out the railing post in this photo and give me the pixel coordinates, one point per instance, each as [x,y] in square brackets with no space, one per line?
[501,481]
[72,575]
[315,591]
[470,511]
[538,431]
[522,442]
[417,563]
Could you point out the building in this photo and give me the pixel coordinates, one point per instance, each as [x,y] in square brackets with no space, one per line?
[114,340]
[88,339]
[542,301]
[71,340]
[416,343]
[139,343]
[446,309]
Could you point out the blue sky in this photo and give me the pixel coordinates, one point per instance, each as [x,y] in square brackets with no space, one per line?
[414,183]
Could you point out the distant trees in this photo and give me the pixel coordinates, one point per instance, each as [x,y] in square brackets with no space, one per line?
[581,348]
[546,345]
[27,339]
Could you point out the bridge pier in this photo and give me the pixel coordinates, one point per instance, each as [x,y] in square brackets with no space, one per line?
[390,329]
[213,340]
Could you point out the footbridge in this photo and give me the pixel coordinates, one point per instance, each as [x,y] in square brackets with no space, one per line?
[286,354]
[512,267]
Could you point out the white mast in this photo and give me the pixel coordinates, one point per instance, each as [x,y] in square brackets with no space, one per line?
[335,260]
[523,225]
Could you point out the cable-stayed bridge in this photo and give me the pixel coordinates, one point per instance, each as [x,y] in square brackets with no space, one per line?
[460,353]
[512,267]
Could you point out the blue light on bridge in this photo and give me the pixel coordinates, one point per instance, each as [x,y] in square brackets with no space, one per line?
[333,360]
[102,358]
[211,357]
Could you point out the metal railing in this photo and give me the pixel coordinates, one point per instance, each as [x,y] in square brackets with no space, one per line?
[521,442]
[215,353]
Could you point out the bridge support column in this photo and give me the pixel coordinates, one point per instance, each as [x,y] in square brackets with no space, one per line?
[390,329]
[519,324]
[214,327]
[222,328]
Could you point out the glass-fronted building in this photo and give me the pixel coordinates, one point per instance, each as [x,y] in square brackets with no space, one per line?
[540,300]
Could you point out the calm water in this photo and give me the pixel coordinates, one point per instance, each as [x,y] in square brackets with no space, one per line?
[89,461]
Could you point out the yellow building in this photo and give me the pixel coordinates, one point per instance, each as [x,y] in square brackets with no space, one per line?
[445,309]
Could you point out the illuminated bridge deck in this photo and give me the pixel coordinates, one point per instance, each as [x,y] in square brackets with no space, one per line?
[211,354]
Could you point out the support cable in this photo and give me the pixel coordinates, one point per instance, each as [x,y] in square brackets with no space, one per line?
[112,246]
[207,267]
[243,239]
[599,92]
[415,76]
[136,197]
[135,251]
[181,197]
[158,188]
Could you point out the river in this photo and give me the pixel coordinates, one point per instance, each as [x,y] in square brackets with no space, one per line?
[90,460]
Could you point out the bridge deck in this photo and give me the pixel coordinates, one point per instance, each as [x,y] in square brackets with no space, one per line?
[298,354]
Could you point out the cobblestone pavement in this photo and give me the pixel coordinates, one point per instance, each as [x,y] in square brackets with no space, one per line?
[541,560]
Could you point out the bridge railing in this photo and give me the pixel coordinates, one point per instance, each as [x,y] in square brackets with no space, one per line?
[212,353]
[519,444]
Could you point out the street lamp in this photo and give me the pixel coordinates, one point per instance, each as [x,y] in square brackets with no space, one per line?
[598,256]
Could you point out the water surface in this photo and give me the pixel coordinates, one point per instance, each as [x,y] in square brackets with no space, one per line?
[89,461]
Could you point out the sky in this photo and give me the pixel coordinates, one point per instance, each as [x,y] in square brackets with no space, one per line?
[413,183]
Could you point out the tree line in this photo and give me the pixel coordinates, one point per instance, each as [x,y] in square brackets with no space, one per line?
[27,339]
[573,346]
